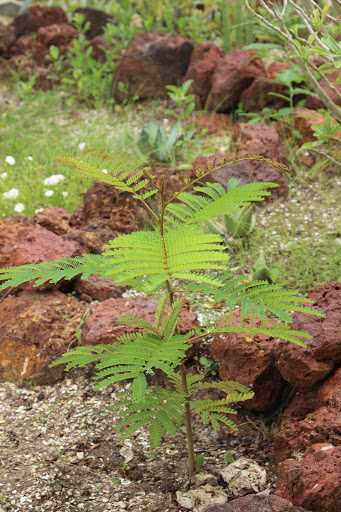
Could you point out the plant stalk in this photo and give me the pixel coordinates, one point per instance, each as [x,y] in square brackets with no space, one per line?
[188,418]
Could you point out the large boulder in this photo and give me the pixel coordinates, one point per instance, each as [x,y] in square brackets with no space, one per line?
[33,244]
[313,416]
[11,230]
[38,45]
[98,20]
[204,60]
[249,360]
[153,60]
[213,123]
[35,329]
[234,73]
[256,503]
[303,367]
[313,482]
[258,95]
[100,327]
[248,171]
[35,17]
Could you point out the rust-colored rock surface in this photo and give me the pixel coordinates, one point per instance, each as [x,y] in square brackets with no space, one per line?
[256,503]
[314,482]
[35,245]
[266,134]
[35,17]
[313,416]
[107,211]
[7,37]
[54,219]
[213,123]
[98,289]
[247,171]
[98,20]
[11,230]
[234,73]
[304,118]
[257,96]
[314,102]
[204,60]
[303,367]
[153,60]
[38,45]
[35,329]
[249,360]
[100,327]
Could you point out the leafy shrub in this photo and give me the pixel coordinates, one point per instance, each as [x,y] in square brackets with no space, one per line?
[152,262]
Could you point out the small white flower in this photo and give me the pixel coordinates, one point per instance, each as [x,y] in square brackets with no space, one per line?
[65,194]
[30,158]
[39,210]
[19,207]
[105,171]
[10,160]
[49,193]
[11,194]
[54,179]
[81,146]
[4,175]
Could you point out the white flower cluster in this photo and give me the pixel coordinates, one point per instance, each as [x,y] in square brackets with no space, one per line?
[53,180]
[10,160]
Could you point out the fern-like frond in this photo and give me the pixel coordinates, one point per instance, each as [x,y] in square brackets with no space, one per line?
[147,254]
[207,202]
[192,381]
[161,409]
[54,271]
[118,169]
[227,386]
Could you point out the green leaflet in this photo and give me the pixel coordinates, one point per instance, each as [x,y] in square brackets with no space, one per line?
[53,271]
[215,201]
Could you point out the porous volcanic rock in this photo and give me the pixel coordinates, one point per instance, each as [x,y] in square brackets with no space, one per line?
[204,60]
[314,482]
[100,327]
[36,245]
[247,171]
[213,123]
[314,102]
[256,503]
[7,37]
[99,45]
[234,73]
[90,240]
[266,134]
[153,60]
[256,97]
[54,219]
[35,17]
[99,289]
[38,45]
[303,367]
[98,20]
[11,230]
[249,360]
[35,329]
[105,207]
[313,416]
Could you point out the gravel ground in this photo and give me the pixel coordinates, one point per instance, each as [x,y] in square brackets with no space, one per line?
[60,452]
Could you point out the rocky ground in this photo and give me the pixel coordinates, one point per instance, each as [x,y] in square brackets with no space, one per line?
[60,452]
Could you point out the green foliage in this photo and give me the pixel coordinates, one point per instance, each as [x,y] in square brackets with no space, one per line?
[312,36]
[159,145]
[150,261]
[262,272]
[83,77]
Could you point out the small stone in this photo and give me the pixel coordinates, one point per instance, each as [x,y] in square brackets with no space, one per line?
[80,455]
